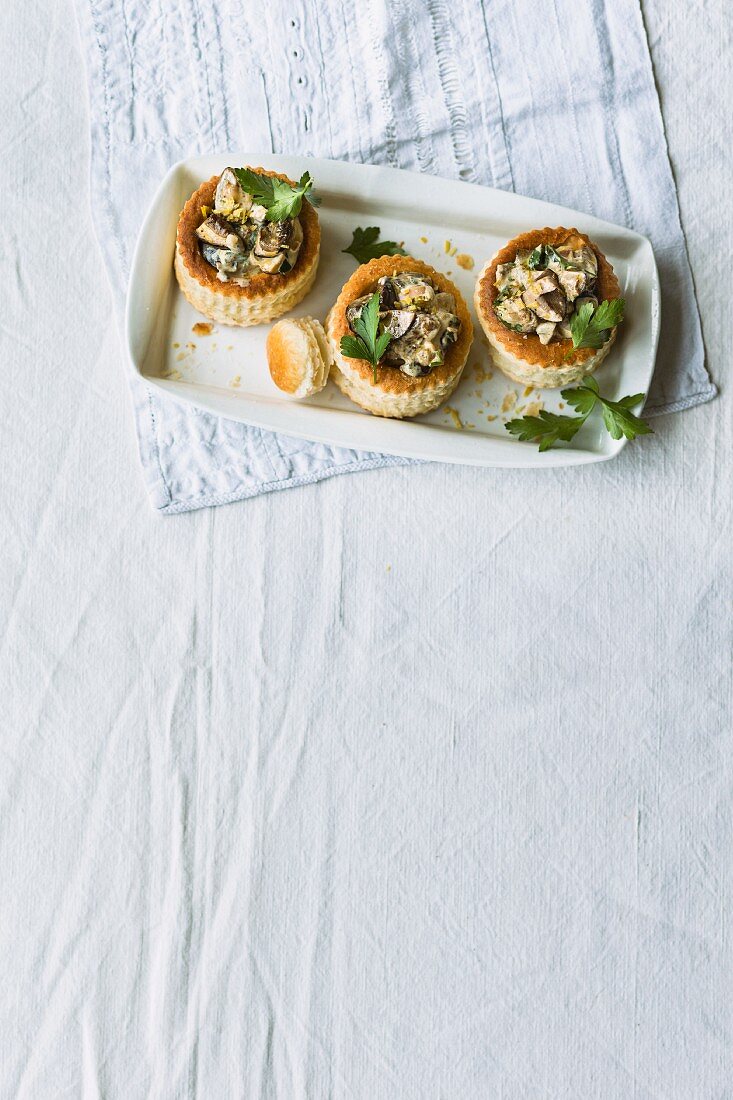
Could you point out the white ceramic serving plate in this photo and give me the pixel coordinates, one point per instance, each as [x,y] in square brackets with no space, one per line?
[226,372]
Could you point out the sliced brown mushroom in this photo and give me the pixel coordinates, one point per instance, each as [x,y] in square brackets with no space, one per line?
[542,282]
[272,237]
[573,283]
[445,301]
[271,265]
[420,346]
[276,245]
[583,299]
[218,231]
[548,307]
[580,255]
[387,293]
[229,193]
[397,321]
[426,325]
[353,310]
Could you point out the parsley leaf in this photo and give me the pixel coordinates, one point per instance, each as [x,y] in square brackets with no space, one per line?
[259,187]
[288,200]
[617,415]
[280,199]
[540,257]
[548,428]
[619,420]
[590,326]
[545,429]
[368,343]
[365,245]
[583,398]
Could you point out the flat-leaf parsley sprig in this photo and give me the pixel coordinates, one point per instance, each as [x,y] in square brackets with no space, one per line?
[547,428]
[280,199]
[591,326]
[365,245]
[368,343]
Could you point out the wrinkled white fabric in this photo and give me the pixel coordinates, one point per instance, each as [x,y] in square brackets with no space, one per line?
[415,785]
[463,90]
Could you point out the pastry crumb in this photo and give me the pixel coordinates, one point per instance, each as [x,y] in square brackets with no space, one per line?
[230,347]
[447,247]
[534,407]
[527,391]
[491,417]
[176,345]
[191,346]
[424,240]
[180,357]
[454,415]
[510,400]
[481,374]
[202,328]
[389,568]
[236,381]
[174,374]
[465,261]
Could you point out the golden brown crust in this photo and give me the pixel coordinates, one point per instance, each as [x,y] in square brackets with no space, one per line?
[389,379]
[259,286]
[297,356]
[529,348]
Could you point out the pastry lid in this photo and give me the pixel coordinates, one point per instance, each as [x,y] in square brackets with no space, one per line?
[298,356]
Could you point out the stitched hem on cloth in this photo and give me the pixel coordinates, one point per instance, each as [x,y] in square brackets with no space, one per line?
[689,402]
[215,499]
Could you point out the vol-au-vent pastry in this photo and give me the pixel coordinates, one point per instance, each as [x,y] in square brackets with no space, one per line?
[298,356]
[247,246]
[527,298]
[426,321]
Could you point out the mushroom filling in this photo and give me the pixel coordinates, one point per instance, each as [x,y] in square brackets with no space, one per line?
[543,287]
[421,321]
[238,241]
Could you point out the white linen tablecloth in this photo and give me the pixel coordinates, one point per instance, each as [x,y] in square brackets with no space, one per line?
[415,784]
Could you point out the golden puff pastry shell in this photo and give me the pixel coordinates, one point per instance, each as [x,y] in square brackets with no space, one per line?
[395,394]
[524,358]
[265,297]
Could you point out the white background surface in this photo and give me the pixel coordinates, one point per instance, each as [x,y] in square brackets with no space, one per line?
[414,783]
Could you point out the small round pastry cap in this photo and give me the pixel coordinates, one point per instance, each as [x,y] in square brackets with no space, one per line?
[298,356]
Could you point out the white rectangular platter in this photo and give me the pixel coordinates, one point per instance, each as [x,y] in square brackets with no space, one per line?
[439,221]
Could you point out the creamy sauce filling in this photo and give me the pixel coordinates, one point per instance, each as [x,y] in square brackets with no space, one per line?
[421,321]
[236,239]
[542,288]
